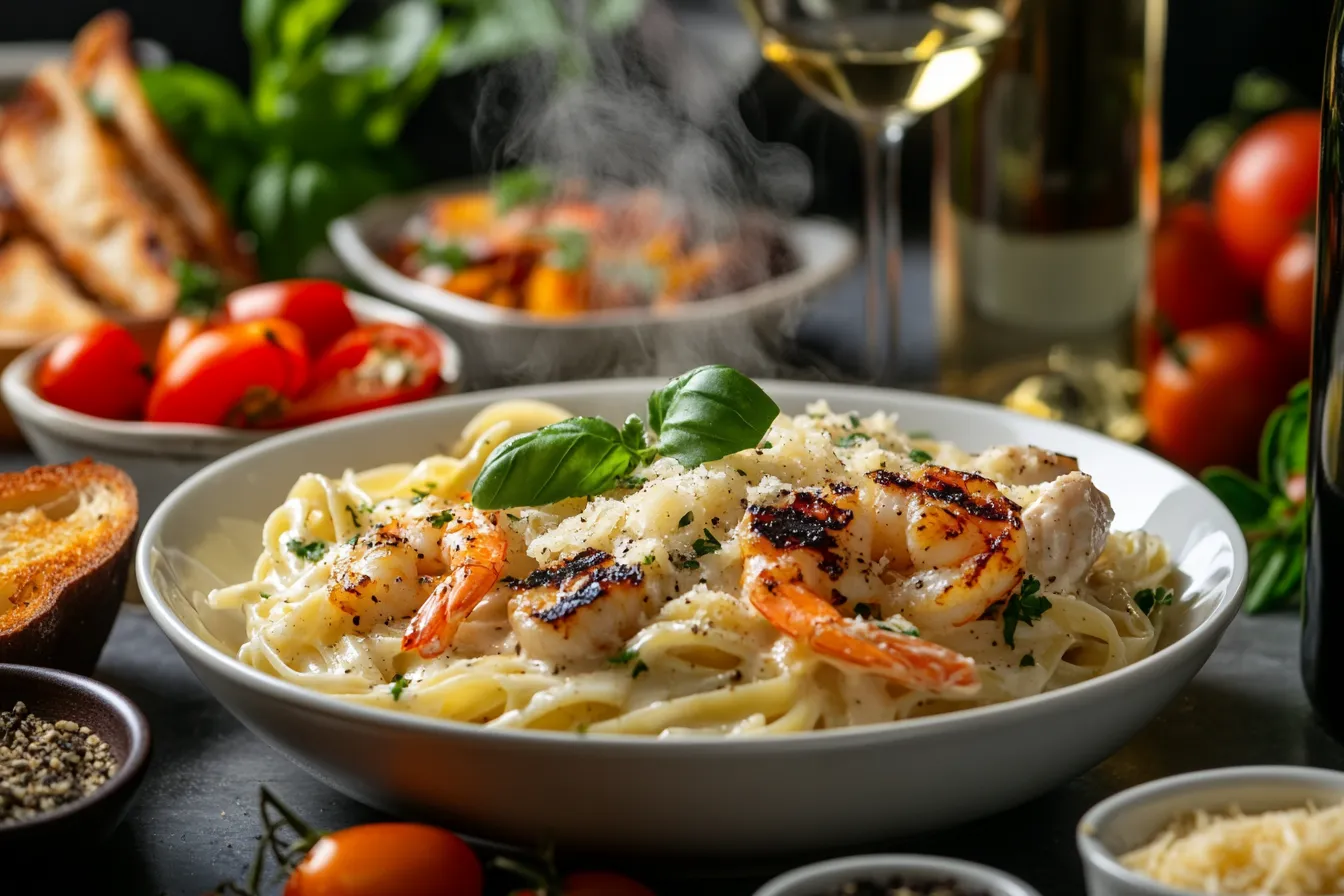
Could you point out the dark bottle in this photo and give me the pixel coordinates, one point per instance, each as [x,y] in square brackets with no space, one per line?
[1323,612]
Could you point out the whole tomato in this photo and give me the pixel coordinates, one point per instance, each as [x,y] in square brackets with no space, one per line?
[591,883]
[387,859]
[180,330]
[100,371]
[234,375]
[1290,295]
[1208,394]
[1193,282]
[317,307]
[1265,189]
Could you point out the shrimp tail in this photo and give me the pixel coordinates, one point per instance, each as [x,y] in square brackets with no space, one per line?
[474,548]
[907,659]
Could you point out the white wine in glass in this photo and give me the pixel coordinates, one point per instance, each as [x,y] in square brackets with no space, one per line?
[881,64]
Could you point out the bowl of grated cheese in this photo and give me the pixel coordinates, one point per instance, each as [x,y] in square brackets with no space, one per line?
[1266,830]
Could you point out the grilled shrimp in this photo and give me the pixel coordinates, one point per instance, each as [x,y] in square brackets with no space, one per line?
[382,573]
[1023,464]
[473,548]
[953,537]
[1067,526]
[791,555]
[579,609]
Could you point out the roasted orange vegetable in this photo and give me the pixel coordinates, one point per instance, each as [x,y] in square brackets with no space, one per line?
[553,292]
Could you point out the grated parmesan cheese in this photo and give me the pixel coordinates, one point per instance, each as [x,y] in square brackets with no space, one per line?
[1297,852]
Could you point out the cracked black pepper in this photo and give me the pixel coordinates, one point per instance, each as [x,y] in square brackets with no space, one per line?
[44,765]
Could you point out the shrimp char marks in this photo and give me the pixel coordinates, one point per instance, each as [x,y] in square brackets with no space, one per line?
[942,546]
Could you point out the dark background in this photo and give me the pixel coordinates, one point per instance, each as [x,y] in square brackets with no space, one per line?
[1209,43]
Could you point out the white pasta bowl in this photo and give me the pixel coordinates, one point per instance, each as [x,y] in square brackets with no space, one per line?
[1135,817]
[504,346]
[703,795]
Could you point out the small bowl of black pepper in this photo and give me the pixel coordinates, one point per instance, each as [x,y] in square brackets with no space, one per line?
[896,875]
[72,753]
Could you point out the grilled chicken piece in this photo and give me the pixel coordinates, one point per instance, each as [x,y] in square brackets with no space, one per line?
[103,68]
[65,551]
[36,298]
[72,184]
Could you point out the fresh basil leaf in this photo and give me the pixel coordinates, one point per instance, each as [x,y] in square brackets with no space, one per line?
[1300,393]
[1269,445]
[1272,565]
[1286,590]
[633,435]
[572,458]
[519,186]
[1294,445]
[709,413]
[1246,499]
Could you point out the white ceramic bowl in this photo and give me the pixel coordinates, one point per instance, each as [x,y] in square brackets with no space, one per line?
[821,879]
[1134,817]
[704,796]
[504,346]
[157,456]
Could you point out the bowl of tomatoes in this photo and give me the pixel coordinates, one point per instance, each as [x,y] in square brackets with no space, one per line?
[161,399]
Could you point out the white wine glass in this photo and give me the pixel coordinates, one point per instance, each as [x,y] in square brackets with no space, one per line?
[881,64]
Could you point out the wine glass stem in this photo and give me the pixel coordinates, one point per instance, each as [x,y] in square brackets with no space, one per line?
[882,212]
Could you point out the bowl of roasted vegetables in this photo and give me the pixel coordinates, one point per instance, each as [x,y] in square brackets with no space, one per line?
[161,399]
[544,280]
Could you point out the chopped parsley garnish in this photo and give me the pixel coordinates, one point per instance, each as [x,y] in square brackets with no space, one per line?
[354,517]
[920,456]
[689,564]
[1026,606]
[441,519]
[648,559]
[513,516]
[311,551]
[864,611]
[920,434]
[1150,599]
[640,668]
[399,683]
[850,440]
[766,446]
[1028,660]
[353,540]
[582,728]
[450,255]
[686,520]
[854,421]
[707,545]
[888,627]
[265,594]
[366,507]
[623,657]
[630,482]
[423,493]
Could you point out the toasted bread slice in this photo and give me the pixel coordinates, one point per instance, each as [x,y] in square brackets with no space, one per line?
[36,299]
[65,550]
[102,65]
[70,181]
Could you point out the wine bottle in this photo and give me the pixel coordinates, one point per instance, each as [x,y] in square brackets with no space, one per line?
[1323,611]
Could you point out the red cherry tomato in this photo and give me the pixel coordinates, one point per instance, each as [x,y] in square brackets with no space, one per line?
[388,859]
[179,332]
[317,307]
[601,883]
[1266,189]
[1193,283]
[1290,295]
[233,375]
[101,372]
[1208,395]
[371,367]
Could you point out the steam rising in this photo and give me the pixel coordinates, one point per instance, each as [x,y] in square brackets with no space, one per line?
[650,108]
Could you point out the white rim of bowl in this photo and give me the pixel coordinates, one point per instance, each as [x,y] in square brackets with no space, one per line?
[960,871]
[363,261]
[16,385]
[1095,820]
[184,639]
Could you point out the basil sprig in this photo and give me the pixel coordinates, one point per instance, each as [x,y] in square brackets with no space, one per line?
[708,413]
[1270,510]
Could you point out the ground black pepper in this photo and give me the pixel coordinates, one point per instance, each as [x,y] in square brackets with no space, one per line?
[44,765]
[900,887]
